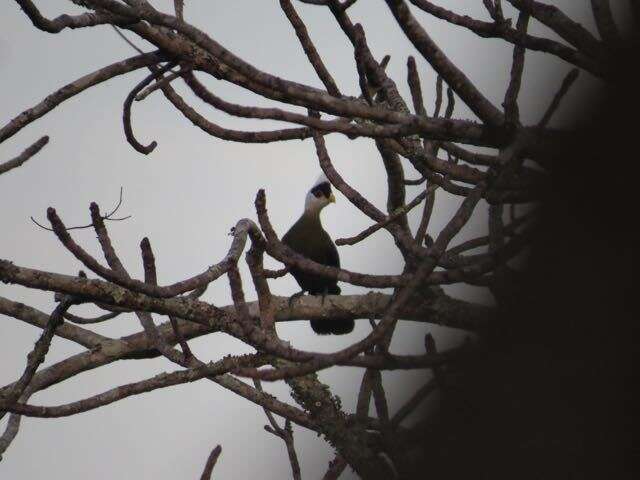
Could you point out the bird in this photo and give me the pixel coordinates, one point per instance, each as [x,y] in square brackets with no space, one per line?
[308,238]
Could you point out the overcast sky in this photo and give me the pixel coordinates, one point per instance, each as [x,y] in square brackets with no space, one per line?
[185,197]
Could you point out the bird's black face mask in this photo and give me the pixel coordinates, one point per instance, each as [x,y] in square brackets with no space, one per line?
[323,189]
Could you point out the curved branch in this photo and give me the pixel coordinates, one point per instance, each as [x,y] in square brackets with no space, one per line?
[227,134]
[77,86]
[126,109]
[61,22]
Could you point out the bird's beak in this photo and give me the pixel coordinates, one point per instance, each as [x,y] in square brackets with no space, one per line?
[332,198]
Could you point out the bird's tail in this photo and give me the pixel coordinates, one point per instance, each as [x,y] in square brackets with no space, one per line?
[332,327]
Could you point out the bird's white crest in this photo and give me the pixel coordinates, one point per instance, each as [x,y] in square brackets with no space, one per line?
[321,179]
[313,204]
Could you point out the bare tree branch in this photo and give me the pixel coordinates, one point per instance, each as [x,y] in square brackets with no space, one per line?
[76,87]
[39,319]
[309,48]
[13,425]
[36,356]
[286,434]
[605,23]
[560,23]
[390,218]
[179,8]
[567,82]
[213,457]
[476,101]
[162,380]
[502,29]
[511,111]
[24,156]
[126,111]
[67,21]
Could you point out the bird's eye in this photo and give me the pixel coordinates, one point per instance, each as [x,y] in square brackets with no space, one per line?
[322,190]
[325,189]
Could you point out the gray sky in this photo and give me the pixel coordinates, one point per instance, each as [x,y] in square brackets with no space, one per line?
[185,197]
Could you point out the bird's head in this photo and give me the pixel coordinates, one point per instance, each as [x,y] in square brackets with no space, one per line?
[319,196]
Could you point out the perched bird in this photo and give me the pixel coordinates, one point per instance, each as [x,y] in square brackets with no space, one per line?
[308,238]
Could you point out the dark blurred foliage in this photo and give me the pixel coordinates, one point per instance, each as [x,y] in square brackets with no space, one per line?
[551,397]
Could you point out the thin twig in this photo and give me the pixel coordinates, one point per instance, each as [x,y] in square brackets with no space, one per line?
[567,82]
[24,156]
[390,218]
[211,462]
[108,216]
[89,321]
[129,42]
[411,405]
[158,85]
[286,434]
[421,231]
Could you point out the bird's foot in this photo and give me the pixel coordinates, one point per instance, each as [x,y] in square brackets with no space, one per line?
[294,297]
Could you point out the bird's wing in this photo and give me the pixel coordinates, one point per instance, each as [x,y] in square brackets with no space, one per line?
[332,257]
[318,246]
